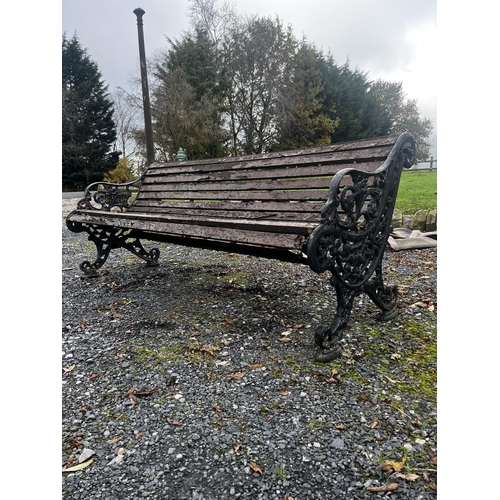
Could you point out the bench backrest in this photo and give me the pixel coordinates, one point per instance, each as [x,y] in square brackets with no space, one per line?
[291,185]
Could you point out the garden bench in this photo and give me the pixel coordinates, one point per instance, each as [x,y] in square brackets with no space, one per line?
[269,205]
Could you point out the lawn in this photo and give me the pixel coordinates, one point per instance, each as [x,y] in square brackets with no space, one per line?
[417,191]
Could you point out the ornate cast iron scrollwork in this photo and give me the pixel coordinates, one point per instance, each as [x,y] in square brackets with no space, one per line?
[108,196]
[107,239]
[351,238]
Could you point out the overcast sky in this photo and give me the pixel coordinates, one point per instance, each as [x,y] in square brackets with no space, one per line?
[391,39]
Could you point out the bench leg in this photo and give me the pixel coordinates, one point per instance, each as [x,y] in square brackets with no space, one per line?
[106,239]
[327,337]
[384,297]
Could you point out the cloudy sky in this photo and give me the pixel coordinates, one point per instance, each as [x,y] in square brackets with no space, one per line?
[391,39]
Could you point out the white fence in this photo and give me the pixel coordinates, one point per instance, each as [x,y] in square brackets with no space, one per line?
[430,164]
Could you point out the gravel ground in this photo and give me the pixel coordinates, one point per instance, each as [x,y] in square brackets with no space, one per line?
[196,380]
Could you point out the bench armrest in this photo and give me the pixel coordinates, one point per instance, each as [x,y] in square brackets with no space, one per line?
[356,219]
[109,196]
[360,203]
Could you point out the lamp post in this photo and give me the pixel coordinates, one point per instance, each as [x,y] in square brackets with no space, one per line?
[148,128]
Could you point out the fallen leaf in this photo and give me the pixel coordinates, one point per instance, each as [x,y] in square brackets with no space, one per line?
[285,339]
[78,467]
[147,392]
[115,440]
[74,443]
[419,304]
[235,376]
[196,334]
[385,487]
[283,393]
[210,349]
[237,447]
[228,320]
[218,410]
[255,467]
[70,369]
[339,426]
[407,477]
[430,484]
[173,422]
[97,375]
[131,395]
[288,332]
[296,327]
[434,460]
[140,434]
[256,366]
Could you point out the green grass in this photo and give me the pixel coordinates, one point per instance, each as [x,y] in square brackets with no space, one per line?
[417,191]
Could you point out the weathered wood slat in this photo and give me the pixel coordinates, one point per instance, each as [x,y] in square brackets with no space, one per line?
[290,174]
[280,185]
[312,217]
[299,207]
[241,195]
[310,172]
[266,235]
[351,158]
[370,146]
[129,220]
[267,185]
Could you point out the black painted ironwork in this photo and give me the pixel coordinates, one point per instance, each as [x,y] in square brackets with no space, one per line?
[108,238]
[109,196]
[351,238]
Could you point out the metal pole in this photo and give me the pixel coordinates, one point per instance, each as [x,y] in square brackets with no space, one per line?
[148,128]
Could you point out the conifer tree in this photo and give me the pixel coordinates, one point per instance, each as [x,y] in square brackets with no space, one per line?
[88,129]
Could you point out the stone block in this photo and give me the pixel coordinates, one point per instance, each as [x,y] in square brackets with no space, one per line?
[397,218]
[431,221]
[408,221]
[419,220]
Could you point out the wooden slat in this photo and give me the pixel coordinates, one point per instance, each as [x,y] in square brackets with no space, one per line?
[346,158]
[311,171]
[276,211]
[285,184]
[130,220]
[229,233]
[229,206]
[370,146]
[304,195]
